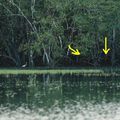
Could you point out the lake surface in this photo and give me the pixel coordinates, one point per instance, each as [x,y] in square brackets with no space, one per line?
[59,97]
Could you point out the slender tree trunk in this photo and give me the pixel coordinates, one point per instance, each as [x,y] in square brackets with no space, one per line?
[31,61]
[96,50]
[46,54]
[113,48]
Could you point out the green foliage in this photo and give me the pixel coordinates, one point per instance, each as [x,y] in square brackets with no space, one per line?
[47,27]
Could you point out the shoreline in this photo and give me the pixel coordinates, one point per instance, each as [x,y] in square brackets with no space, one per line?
[84,72]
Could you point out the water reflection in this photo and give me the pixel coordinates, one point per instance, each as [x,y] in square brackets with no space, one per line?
[47,95]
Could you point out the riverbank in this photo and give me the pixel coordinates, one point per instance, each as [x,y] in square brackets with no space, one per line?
[81,71]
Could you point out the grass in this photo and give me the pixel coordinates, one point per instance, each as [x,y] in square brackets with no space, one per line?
[80,71]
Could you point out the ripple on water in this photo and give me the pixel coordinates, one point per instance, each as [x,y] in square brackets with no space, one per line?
[104,111]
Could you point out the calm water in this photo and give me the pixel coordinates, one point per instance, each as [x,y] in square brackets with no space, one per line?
[59,97]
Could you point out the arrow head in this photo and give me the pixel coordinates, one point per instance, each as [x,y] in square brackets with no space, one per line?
[76,52]
[106,51]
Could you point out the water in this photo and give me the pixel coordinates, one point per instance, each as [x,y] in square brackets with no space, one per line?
[59,97]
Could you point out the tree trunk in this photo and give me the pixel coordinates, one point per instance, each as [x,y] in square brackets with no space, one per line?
[113,48]
[31,62]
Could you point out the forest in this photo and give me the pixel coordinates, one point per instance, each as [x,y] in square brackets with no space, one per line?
[36,33]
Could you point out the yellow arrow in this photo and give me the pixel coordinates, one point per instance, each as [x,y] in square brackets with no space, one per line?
[106,50]
[74,52]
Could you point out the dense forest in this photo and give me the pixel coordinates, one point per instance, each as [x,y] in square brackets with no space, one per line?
[38,32]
